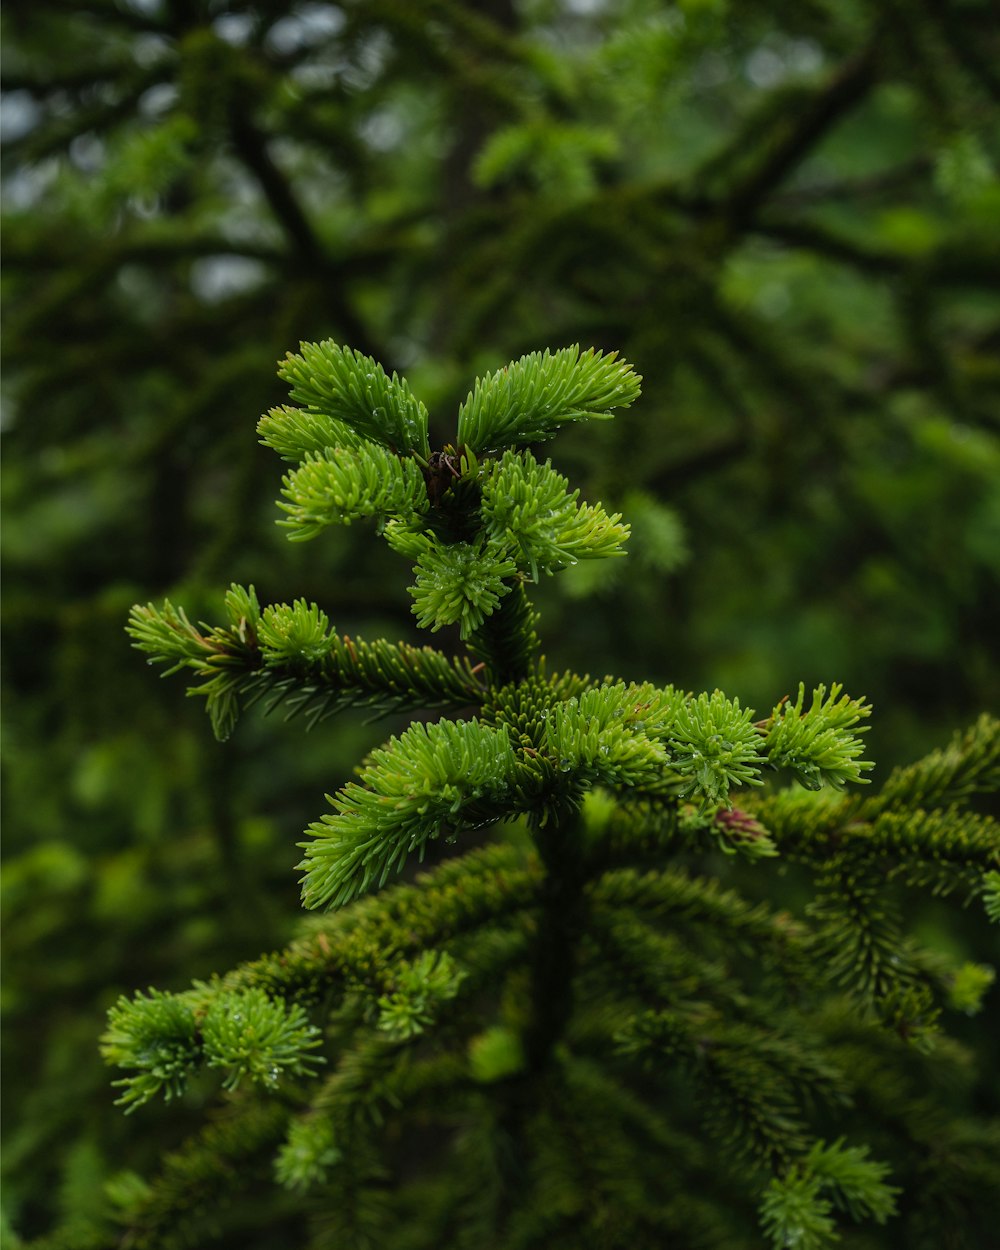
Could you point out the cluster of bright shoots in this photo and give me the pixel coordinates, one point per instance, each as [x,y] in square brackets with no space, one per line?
[472,530]
[480,520]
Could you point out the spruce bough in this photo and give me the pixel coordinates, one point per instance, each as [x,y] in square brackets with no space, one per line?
[570,1033]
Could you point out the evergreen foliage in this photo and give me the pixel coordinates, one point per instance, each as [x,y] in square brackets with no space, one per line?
[561,1035]
[352,390]
[785,216]
[528,400]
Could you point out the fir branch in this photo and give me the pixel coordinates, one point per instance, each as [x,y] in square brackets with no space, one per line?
[991,896]
[596,1155]
[341,485]
[969,985]
[732,830]
[712,1000]
[354,389]
[221,656]
[417,992]
[816,744]
[857,1182]
[157,1034]
[653,741]
[859,939]
[430,782]
[459,583]
[237,1026]
[805,825]
[319,672]
[643,966]
[289,653]
[527,505]
[373,1077]
[626,830]
[529,399]
[182,1204]
[720,917]
[614,1100]
[597,737]
[602,771]
[357,1210]
[250,1035]
[525,706]
[295,433]
[794,1212]
[165,1037]
[169,637]
[944,849]
[969,765]
[743,1076]
[660,1203]
[797,1207]
[307,1154]
[716,745]
[356,946]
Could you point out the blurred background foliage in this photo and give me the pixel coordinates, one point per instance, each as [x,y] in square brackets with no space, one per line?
[785,214]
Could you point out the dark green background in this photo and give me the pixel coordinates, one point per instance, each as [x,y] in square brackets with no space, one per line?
[784,214]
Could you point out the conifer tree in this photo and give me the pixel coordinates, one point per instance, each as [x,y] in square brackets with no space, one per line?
[584,1024]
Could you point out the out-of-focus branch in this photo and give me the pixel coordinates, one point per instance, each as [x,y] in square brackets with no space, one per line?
[796,136]
[251,147]
[947,264]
